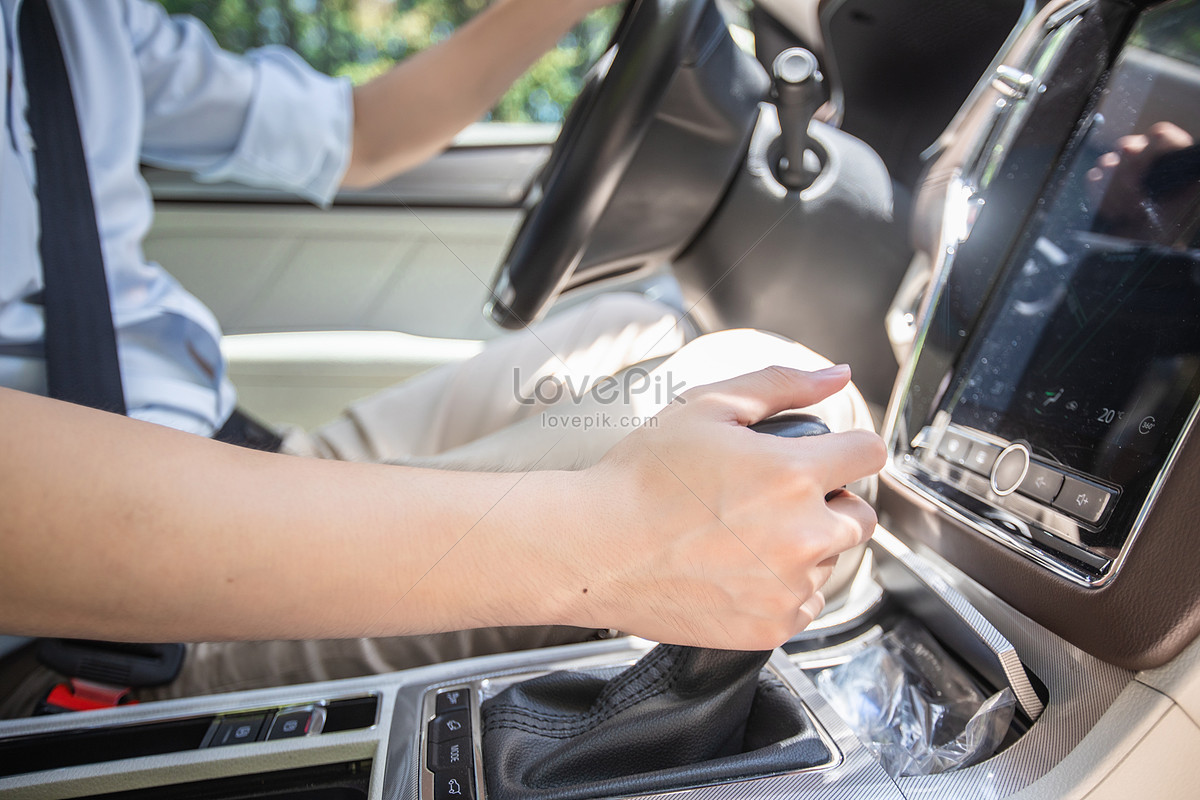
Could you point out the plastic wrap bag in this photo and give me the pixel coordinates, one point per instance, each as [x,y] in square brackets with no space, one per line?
[916,709]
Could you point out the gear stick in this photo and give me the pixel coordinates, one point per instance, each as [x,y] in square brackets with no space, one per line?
[679,717]
[799,92]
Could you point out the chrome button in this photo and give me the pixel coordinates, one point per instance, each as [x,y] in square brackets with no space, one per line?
[1011,468]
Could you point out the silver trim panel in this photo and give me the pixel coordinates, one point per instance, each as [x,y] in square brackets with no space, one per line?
[428,712]
[946,612]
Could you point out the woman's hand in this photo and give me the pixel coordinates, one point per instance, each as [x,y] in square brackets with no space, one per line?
[698,531]
[693,530]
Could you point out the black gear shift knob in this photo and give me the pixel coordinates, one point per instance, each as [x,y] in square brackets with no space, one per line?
[792,425]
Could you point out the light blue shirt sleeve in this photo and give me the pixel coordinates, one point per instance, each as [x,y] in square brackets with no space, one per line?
[153,88]
[264,118]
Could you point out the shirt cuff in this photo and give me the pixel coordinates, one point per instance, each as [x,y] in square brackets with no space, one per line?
[298,130]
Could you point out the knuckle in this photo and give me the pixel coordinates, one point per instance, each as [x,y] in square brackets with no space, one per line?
[851,533]
[703,398]
[793,550]
[779,605]
[861,520]
[776,380]
[1162,131]
[868,511]
[1131,145]
[804,483]
[780,376]
[807,586]
[839,535]
[876,450]
[867,444]
[823,578]
[868,447]
[818,604]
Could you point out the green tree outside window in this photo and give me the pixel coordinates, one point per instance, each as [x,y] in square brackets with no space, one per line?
[360,39]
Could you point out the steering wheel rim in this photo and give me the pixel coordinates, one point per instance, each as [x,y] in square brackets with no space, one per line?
[598,141]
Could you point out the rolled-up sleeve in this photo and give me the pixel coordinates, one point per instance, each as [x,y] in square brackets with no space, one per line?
[265,118]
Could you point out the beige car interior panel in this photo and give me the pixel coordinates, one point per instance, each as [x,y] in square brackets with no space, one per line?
[266,269]
[321,307]
[413,258]
[307,377]
[1163,764]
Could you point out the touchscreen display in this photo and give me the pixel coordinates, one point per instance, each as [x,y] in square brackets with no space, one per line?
[1090,350]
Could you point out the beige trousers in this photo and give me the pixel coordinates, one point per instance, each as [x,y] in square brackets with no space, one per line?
[557,396]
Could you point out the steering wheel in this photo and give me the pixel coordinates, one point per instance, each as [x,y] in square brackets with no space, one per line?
[598,141]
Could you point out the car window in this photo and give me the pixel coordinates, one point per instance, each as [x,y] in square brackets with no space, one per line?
[360,39]
[1172,30]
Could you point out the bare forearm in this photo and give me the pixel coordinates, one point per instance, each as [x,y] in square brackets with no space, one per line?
[122,530]
[694,530]
[414,111]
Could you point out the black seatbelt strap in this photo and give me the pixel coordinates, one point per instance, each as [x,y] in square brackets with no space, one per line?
[80,343]
[245,431]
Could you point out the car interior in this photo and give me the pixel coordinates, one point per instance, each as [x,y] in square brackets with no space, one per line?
[946,196]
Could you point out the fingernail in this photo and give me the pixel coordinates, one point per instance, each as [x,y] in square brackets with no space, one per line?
[835,371]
